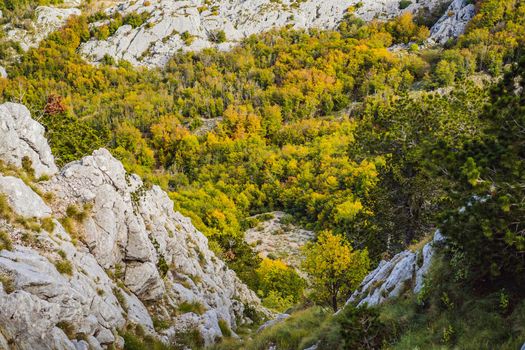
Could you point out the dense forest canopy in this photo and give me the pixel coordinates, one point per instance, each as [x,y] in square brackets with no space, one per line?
[363,132]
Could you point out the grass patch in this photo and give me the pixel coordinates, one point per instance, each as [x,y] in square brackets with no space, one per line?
[48,224]
[290,333]
[77,214]
[8,283]
[120,298]
[418,246]
[64,266]
[160,325]
[5,241]
[136,339]
[196,279]
[5,209]
[191,339]
[74,218]
[225,328]
[193,306]
[68,328]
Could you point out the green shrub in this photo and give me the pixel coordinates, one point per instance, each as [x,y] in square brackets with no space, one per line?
[135,19]
[218,36]
[403,4]
[280,285]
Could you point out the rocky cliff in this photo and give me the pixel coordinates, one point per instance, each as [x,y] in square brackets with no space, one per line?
[453,23]
[167,27]
[46,19]
[90,250]
[171,26]
[405,271]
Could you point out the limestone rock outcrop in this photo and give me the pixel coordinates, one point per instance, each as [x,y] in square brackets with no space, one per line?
[192,25]
[47,19]
[171,26]
[22,137]
[94,249]
[405,271]
[453,23]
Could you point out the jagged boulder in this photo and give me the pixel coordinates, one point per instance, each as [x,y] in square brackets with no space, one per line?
[125,257]
[405,271]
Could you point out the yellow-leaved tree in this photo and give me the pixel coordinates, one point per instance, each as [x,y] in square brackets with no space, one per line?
[280,285]
[334,267]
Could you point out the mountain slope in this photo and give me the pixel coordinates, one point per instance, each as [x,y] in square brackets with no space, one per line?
[94,249]
[161,28]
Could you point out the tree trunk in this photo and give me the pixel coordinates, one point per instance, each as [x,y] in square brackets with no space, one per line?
[334,301]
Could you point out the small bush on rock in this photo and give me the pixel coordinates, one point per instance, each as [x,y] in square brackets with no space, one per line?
[5,241]
[64,266]
[193,306]
[8,283]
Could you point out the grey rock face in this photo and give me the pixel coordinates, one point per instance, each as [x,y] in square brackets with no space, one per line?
[169,22]
[44,299]
[453,23]
[54,285]
[144,280]
[22,137]
[405,271]
[22,199]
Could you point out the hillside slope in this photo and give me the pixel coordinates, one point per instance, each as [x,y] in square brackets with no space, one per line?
[94,249]
[167,27]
